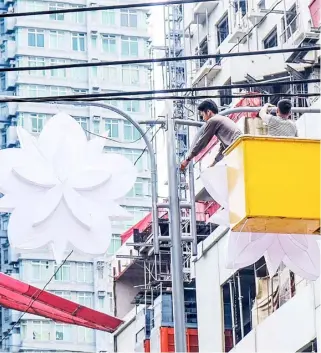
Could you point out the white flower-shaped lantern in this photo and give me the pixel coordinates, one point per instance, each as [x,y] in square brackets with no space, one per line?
[299,252]
[62,189]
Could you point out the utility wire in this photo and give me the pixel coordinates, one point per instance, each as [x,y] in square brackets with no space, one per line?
[99,8]
[144,150]
[160,60]
[35,298]
[153,92]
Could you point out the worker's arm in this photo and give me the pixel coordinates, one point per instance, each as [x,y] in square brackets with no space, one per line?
[219,156]
[263,114]
[205,138]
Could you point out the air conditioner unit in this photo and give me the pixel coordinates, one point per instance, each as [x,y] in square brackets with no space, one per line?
[101,293]
[96,88]
[15,265]
[96,118]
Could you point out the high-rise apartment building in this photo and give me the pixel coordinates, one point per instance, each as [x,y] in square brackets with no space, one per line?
[69,38]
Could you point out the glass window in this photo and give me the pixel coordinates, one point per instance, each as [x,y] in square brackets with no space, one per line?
[240,5]
[131,106]
[135,157]
[56,16]
[130,132]
[112,125]
[63,332]
[128,18]
[109,73]
[85,299]
[78,17]
[85,335]
[23,328]
[63,274]
[101,303]
[83,122]
[222,29]
[63,294]
[115,244]
[40,270]
[57,91]
[36,38]
[130,74]
[108,17]
[129,46]
[62,73]
[96,126]
[37,122]
[34,61]
[56,39]
[138,189]
[40,330]
[271,40]
[85,272]
[108,43]
[94,41]
[78,41]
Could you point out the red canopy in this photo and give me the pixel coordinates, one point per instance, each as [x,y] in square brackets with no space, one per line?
[19,296]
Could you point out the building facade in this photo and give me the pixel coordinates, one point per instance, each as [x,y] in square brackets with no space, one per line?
[67,39]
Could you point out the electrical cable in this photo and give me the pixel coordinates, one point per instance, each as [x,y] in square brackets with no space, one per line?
[35,298]
[150,92]
[249,32]
[144,150]
[99,8]
[160,60]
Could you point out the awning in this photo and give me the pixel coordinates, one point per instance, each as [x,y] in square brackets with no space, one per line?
[20,296]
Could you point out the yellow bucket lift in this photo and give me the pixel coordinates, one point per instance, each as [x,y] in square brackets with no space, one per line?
[274,185]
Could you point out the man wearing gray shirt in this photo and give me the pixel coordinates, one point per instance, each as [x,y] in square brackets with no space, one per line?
[216,125]
[279,125]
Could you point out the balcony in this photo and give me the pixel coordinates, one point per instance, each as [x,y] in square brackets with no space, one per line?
[209,69]
[203,9]
[255,13]
[10,49]
[9,24]
[11,79]
[240,27]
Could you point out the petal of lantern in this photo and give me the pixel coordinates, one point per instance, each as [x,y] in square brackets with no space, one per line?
[78,207]
[89,179]
[96,145]
[59,250]
[47,206]
[304,262]
[9,158]
[7,203]
[244,249]
[28,143]
[215,182]
[36,175]
[221,218]
[274,256]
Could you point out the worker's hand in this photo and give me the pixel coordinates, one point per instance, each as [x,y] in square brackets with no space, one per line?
[184,164]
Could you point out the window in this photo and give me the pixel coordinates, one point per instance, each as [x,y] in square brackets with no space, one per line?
[63,294]
[85,272]
[138,189]
[63,332]
[131,106]
[23,328]
[271,40]
[101,303]
[240,5]
[109,73]
[61,73]
[115,244]
[57,91]
[108,43]
[78,41]
[85,335]
[112,125]
[96,126]
[138,214]
[128,18]
[224,101]
[78,17]
[63,274]
[222,29]
[56,16]
[79,73]
[37,122]
[85,299]
[133,156]
[130,132]
[94,41]
[130,74]
[40,270]
[34,6]
[83,122]
[108,17]
[290,25]
[40,330]
[129,46]
[35,61]
[36,38]
[56,39]
[5,256]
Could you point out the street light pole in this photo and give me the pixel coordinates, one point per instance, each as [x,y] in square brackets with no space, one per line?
[175,234]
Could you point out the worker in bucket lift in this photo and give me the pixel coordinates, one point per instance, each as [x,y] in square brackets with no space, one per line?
[216,125]
[281,124]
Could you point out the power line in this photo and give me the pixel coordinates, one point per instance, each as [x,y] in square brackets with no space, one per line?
[35,298]
[160,60]
[144,150]
[99,8]
[153,92]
